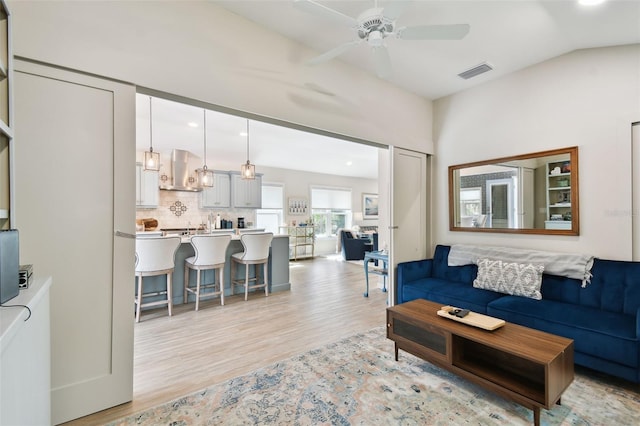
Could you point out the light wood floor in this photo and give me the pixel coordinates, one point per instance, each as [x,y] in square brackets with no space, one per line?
[192,350]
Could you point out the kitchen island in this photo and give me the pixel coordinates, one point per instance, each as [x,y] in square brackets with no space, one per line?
[278,269]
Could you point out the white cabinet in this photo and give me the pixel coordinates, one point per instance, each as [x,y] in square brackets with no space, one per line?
[246,193]
[146,187]
[220,194]
[558,195]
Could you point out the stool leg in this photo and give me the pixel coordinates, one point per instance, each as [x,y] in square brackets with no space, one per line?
[266,280]
[246,281]
[169,294]
[139,298]
[221,284]
[198,272]
[234,271]
[186,283]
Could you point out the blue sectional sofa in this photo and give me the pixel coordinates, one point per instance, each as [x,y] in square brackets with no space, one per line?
[602,318]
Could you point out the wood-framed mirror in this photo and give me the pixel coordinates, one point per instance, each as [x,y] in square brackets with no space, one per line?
[534,193]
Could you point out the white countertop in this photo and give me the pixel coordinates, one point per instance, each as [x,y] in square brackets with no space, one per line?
[13,318]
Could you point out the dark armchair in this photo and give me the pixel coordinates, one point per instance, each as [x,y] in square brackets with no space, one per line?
[353,248]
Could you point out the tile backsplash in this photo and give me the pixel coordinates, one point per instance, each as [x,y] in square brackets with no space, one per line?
[179,209]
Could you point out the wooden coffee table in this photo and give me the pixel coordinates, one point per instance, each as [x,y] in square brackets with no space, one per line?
[527,366]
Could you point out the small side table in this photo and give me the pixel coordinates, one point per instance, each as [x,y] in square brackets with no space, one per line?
[371,256]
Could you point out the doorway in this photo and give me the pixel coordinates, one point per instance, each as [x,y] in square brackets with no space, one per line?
[500,203]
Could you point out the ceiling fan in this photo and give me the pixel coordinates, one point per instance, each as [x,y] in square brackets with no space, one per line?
[374,25]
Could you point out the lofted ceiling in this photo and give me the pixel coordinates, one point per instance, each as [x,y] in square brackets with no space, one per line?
[508,34]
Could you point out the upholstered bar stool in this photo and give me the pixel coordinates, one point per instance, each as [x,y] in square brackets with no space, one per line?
[210,253]
[256,252]
[155,256]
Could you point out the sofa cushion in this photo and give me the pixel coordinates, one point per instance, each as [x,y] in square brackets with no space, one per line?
[518,279]
[460,295]
[608,335]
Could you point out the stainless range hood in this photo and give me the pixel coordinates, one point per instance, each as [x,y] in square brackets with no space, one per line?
[180,173]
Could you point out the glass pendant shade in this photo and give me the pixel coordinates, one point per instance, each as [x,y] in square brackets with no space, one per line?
[151,159]
[205,176]
[248,170]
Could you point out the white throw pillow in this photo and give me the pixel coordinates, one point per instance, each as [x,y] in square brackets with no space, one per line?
[518,279]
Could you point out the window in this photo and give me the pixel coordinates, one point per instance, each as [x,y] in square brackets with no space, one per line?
[270,216]
[470,202]
[330,210]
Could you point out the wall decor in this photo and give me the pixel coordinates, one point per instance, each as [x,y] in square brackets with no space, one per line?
[370,206]
[298,206]
[178,208]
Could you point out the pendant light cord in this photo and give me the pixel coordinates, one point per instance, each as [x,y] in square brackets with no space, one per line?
[247,141]
[205,139]
[150,124]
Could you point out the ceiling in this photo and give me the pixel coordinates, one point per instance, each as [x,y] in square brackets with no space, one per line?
[508,34]
[180,126]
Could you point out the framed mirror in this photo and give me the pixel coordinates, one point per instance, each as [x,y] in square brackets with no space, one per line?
[533,193]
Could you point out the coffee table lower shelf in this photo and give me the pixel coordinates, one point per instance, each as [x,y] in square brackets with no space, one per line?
[527,366]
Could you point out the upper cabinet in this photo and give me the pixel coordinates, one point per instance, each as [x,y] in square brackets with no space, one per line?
[220,195]
[246,193]
[146,187]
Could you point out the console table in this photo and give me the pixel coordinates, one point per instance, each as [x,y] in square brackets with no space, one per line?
[370,256]
[530,367]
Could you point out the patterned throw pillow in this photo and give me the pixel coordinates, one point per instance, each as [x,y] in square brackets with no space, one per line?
[518,279]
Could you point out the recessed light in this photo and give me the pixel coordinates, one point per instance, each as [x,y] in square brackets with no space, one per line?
[243,134]
[590,2]
[192,124]
[349,163]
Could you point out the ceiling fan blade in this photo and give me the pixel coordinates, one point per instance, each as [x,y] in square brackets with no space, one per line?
[434,32]
[382,61]
[336,51]
[317,9]
[394,9]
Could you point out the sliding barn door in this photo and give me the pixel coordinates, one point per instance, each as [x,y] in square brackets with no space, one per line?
[409,213]
[74,174]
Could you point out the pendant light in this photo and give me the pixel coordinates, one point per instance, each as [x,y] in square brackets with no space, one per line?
[248,170]
[205,176]
[151,159]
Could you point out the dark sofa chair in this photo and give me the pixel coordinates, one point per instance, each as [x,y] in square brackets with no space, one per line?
[602,318]
[353,248]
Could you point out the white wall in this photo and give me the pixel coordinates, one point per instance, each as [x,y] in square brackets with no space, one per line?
[587,98]
[201,51]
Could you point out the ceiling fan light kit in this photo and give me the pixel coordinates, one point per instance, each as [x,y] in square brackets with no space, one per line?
[373,26]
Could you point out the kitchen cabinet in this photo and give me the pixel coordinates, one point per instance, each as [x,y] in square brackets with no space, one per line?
[220,194]
[558,195]
[146,187]
[246,193]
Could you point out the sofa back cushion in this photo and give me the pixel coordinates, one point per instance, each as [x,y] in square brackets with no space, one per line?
[614,287]
[441,269]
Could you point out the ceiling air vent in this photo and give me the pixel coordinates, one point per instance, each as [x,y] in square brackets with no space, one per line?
[477,70]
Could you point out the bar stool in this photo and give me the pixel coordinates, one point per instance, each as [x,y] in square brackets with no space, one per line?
[155,256]
[210,253]
[256,252]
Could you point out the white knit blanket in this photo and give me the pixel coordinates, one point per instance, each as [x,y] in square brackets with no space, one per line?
[569,265]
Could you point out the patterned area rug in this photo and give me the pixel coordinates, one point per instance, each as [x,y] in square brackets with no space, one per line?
[356,381]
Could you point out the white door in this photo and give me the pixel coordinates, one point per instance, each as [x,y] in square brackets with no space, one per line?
[74,186]
[500,203]
[409,210]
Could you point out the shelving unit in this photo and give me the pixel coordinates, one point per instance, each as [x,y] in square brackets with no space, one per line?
[6,114]
[558,193]
[300,237]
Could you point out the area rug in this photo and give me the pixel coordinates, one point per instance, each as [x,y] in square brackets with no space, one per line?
[356,381]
